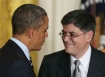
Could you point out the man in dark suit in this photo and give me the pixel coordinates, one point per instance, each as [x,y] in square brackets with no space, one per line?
[29,24]
[79,58]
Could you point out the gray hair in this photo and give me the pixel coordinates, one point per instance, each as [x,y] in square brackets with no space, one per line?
[27,16]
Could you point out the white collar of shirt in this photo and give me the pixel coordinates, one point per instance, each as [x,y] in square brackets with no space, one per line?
[22,46]
[85,59]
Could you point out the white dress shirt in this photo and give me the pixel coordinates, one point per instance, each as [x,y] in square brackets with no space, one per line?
[84,65]
[22,46]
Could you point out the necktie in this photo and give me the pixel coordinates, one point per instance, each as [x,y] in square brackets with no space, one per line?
[77,72]
[31,62]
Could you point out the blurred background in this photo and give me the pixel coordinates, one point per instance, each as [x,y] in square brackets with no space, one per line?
[56,9]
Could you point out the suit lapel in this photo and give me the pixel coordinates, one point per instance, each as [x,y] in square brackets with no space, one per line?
[65,66]
[18,51]
[95,65]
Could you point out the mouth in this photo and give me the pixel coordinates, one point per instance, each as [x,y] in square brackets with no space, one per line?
[68,44]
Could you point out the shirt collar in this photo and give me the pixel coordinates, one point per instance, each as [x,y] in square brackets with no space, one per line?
[22,46]
[84,59]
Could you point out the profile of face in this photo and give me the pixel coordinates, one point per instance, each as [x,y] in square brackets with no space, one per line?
[39,35]
[75,41]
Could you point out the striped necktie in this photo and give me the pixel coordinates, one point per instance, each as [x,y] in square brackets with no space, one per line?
[31,62]
[77,72]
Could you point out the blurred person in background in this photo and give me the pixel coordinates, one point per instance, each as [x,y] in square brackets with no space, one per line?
[29,25]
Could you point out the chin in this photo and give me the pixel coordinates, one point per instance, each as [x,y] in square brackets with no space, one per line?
[36,49]
[68,51]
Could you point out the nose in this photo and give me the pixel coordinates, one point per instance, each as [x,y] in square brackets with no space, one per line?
[66,38]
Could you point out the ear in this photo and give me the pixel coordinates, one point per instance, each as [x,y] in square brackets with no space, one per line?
[31,32]
[89,36]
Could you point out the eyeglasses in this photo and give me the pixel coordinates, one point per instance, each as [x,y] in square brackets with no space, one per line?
[70,35]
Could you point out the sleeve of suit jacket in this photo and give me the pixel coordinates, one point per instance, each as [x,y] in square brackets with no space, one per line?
[20,68]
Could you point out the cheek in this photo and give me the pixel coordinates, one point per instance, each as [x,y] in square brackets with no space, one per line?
[80,42]
[42,37]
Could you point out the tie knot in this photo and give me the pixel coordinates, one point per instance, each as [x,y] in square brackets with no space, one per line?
[77,63]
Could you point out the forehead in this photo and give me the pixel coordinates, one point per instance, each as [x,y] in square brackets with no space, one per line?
[70,28]
[46,19]
[45,25]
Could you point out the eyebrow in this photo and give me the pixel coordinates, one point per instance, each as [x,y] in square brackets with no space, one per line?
[68,32]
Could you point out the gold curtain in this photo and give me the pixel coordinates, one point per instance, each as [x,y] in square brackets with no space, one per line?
[7,8]
[96,40]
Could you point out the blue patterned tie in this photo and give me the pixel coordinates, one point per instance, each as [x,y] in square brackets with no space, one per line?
[77,72]
[31,62]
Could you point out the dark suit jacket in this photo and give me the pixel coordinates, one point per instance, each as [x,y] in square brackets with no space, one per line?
[58,65]
[13,62]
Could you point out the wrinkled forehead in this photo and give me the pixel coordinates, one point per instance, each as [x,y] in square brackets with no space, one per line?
[70,28]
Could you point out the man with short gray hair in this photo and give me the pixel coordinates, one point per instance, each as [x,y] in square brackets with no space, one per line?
[29,30]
